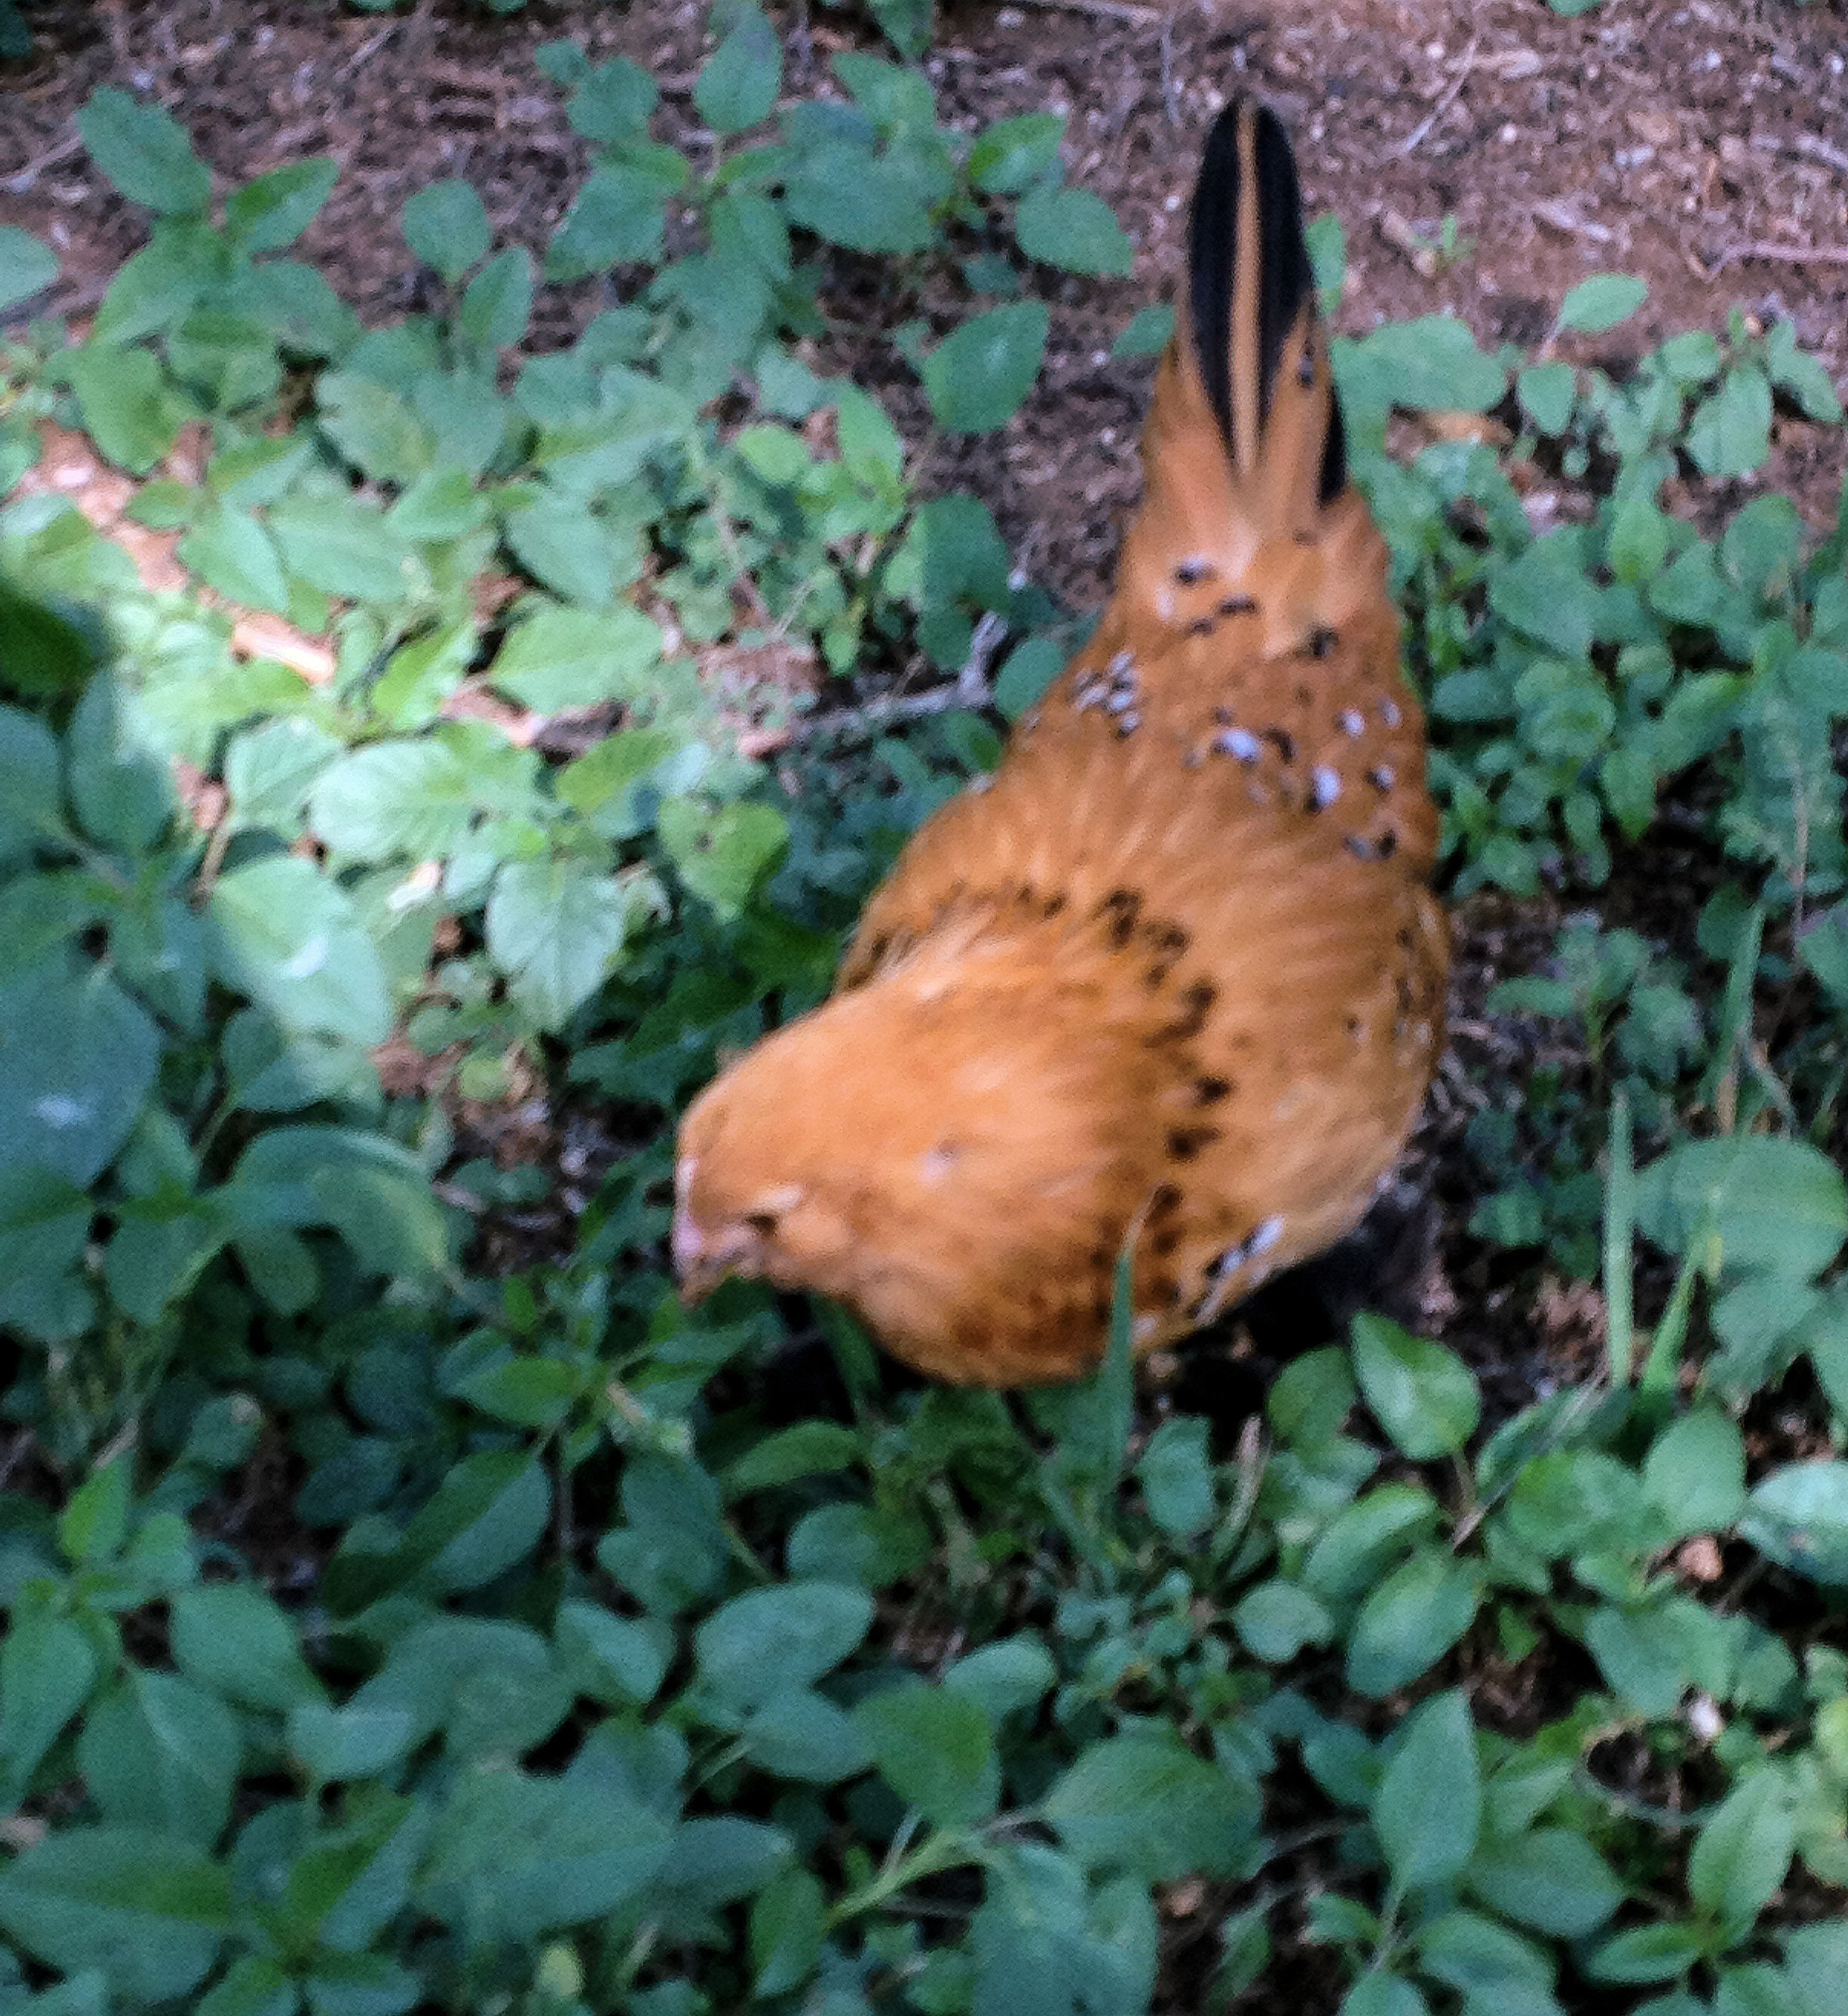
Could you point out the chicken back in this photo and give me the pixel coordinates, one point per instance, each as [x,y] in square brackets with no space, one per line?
[1172,975]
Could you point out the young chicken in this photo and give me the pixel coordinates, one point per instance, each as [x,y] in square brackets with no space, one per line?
[1171,975]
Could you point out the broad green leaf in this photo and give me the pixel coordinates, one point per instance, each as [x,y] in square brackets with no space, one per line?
[288,938]
[158,1752]
[342,546]
[1177,1476]
[1731,432]
[445,224]
[409,799]
[232,551]
[513,1856]
[559,659]
[1546,393]
[1550,1878]
[375,1193]
[788,1918]
[1429,1810]
[148,1910]
[721,853]
[1695,1472]
[853,198]
[740,80]
[1411,1620]
[1277,1618]
[977,376]
[1143,1803]
[1013,155]
[764,1641]
[274,210]
[495,310]
[132,412]
[556,929]
[234,1640]
[1661,1952]
[1765,1202]
[1547,593]
[1798,1517]
[1383,1995]
[145,152]
[1424,1396]
[27,267]
[1600,303]
[81,1057]
[615,219]
[48,1667]
[1073,229]
[935,1749]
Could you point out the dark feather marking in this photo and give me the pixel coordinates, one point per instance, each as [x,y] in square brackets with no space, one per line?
[1185,1143]
[1208,1091]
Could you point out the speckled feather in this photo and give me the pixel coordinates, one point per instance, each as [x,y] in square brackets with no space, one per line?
[1173,972]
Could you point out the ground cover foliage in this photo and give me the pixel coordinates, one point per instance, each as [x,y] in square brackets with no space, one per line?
[408,1613]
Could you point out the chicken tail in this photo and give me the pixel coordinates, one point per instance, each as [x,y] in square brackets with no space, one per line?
[1245,448]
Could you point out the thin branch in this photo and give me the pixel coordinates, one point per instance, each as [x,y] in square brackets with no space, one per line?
[1106,10]
[1448,98]
[1787,255]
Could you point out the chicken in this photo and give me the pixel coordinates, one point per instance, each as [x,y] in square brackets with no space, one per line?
[1172,975]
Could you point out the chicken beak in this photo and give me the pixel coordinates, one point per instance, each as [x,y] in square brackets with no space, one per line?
[701,1259]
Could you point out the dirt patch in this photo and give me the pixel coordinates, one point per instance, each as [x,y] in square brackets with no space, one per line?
[1703,146]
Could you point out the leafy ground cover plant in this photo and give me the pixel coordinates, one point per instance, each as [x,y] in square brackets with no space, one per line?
[410,1608]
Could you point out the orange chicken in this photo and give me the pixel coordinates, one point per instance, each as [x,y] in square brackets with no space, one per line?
[1172,975]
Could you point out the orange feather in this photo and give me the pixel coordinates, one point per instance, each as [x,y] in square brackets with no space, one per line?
[1173,973]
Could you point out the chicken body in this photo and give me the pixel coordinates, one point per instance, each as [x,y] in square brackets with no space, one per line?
[1173,974]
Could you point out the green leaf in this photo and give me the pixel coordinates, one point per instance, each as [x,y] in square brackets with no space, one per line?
[1148,333]
[764,1641]
[1383,1995]
[1663,1952]
[721,853]
[144,153]
[231,551]
[1549,1878]
[288,938]
[48,1669]
[236,1640]
[557,929]
[1424,1396]
[1073,229]
[1766,1202]
[1798,1516]
[615,1660]
[27,267]
[1175,1473]
[131,412]
[1409,1621]
[274,210]
[853,198]
[160,1753]
[1695,1473]
[1277,1618]
[1429,1810]
[412,798]
[1547,393]
[1431,364]
[1601,302]
[1731,432]
[513,1856]
[1014,155]
[977,376]
[375,1193]
[341,546]
[80,1058]
[616,218]
[1143,1803]
[561,659]
[788,1918]
[936,1750]
[445,224]
[95,1521]
[374,427]
[498,304]
[147,1911]
[1742,1853]
[1546,594]
[740,80]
